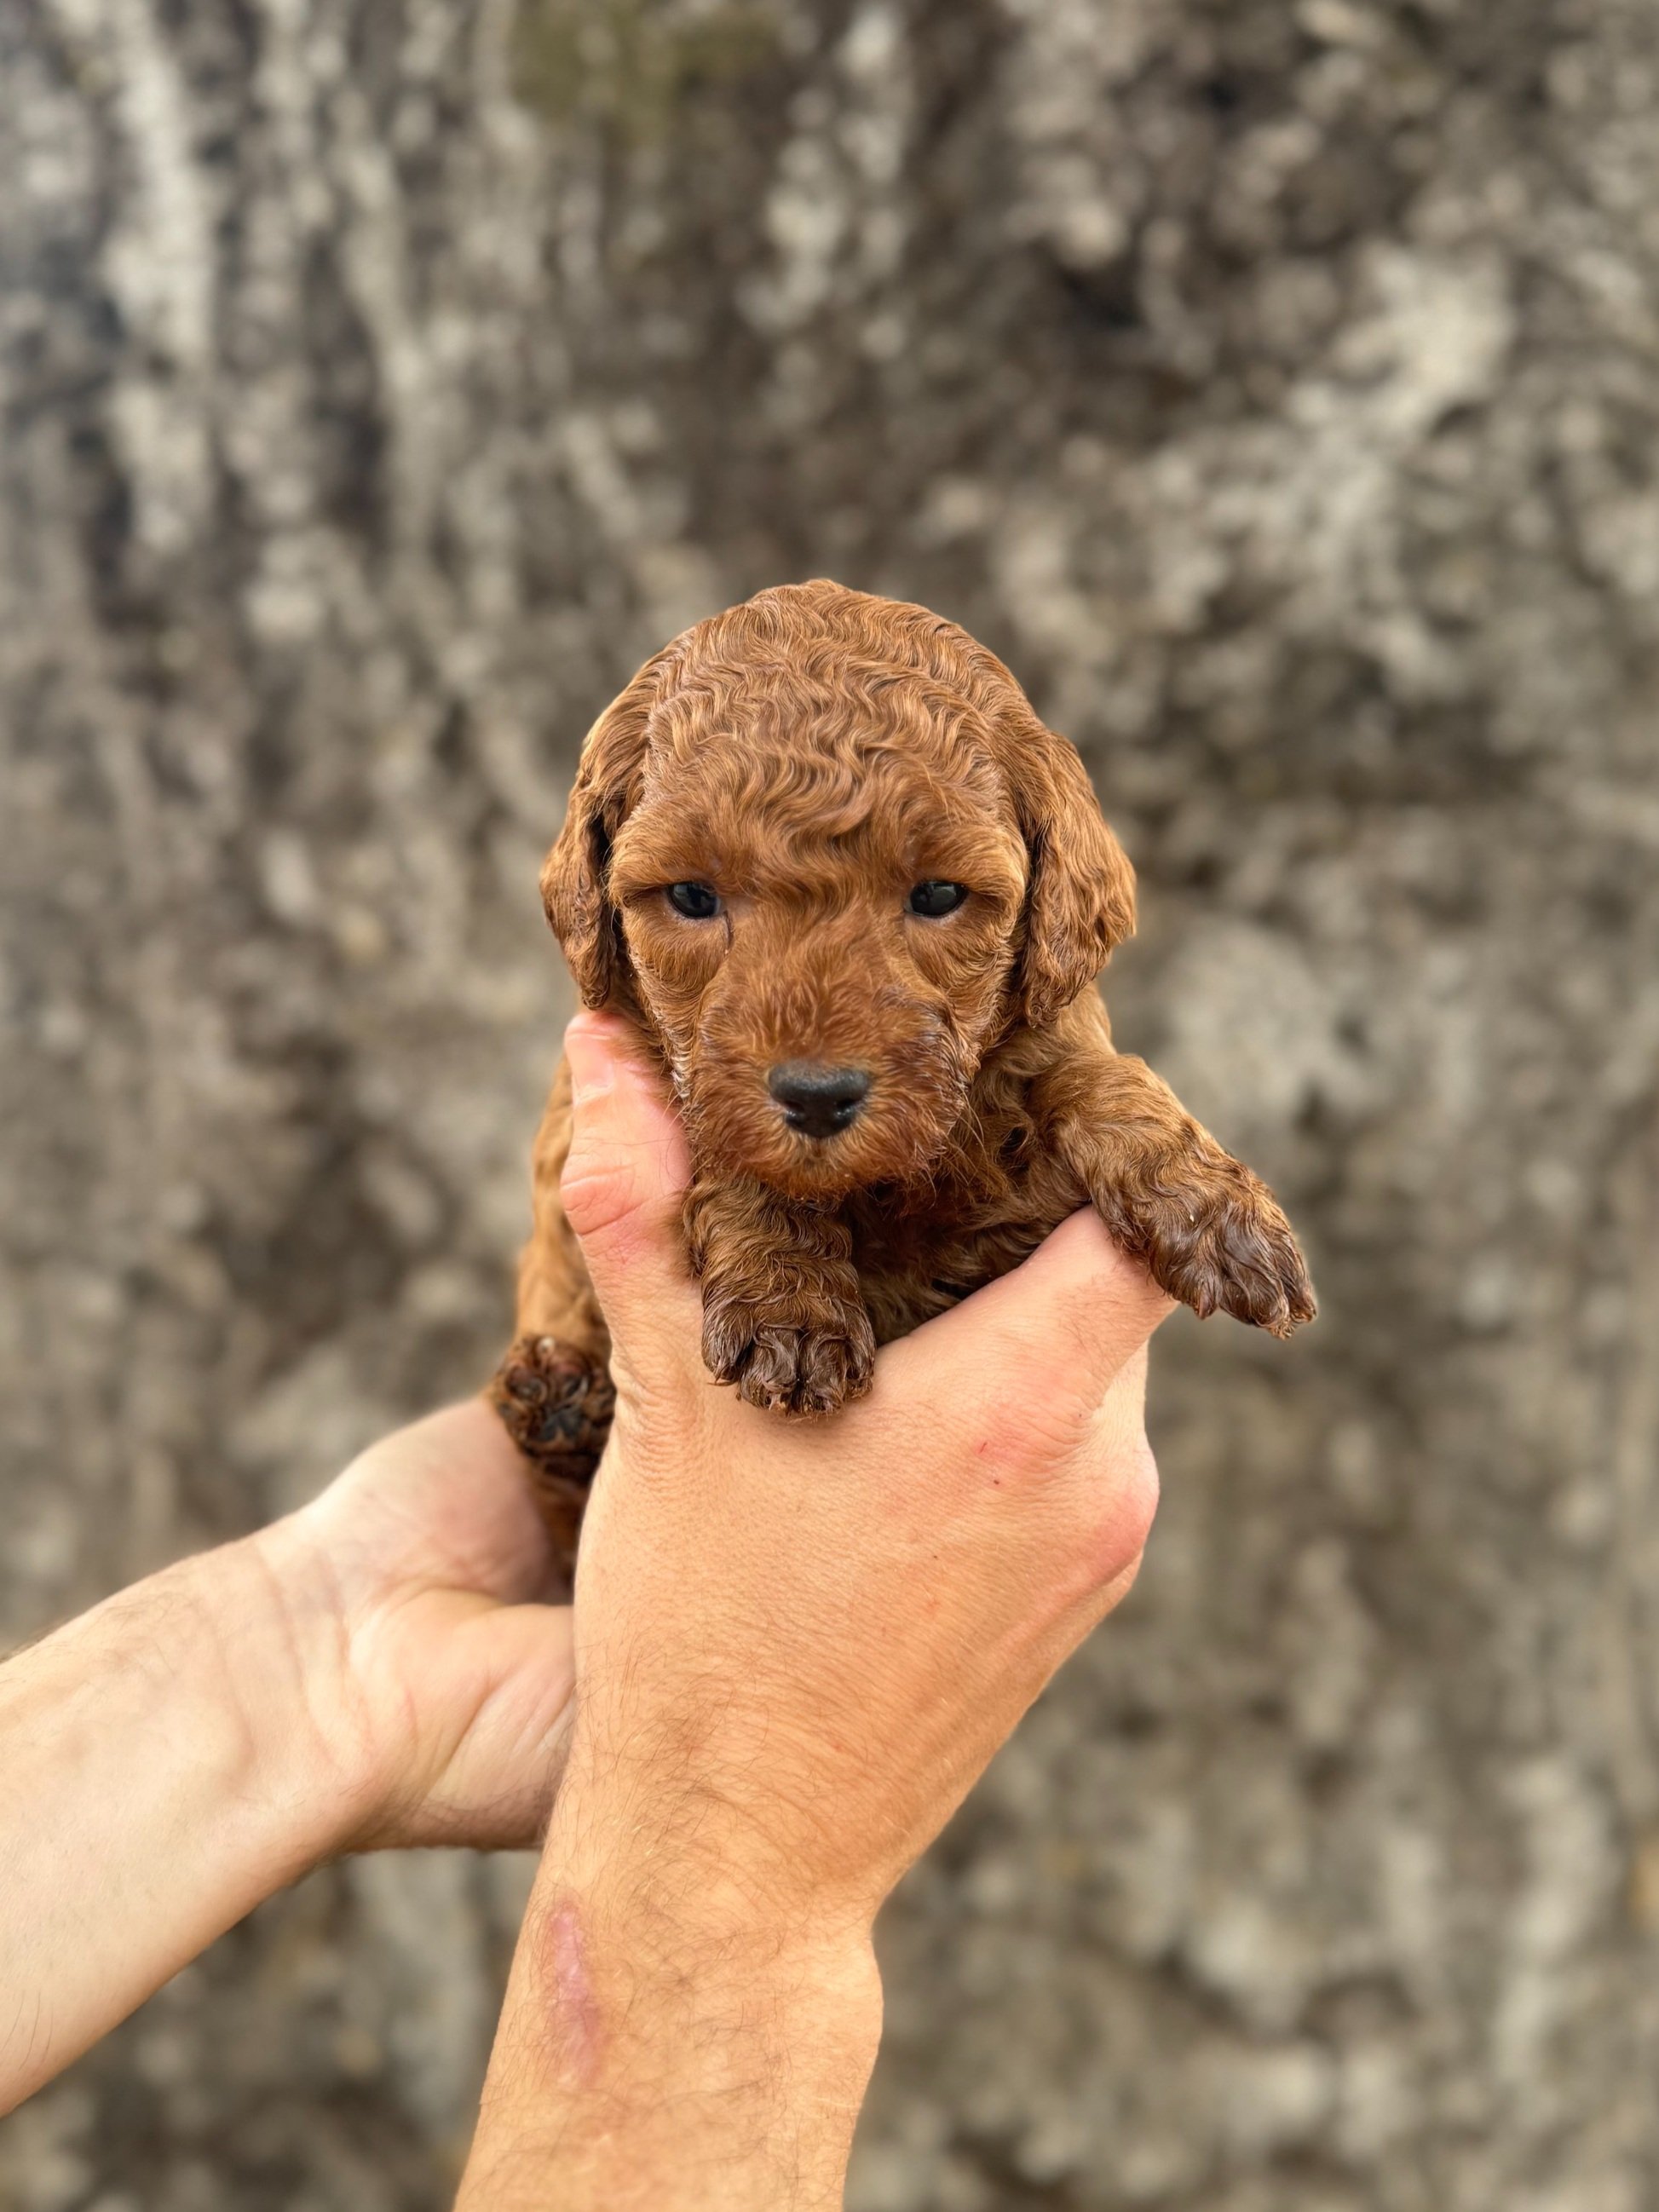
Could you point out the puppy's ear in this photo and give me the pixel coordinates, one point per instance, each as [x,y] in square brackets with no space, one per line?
[575,876]
[1081,898]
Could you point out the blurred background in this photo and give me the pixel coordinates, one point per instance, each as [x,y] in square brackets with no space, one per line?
[1277,388]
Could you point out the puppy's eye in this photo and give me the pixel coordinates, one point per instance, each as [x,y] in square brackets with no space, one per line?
[934,899]
[696,902]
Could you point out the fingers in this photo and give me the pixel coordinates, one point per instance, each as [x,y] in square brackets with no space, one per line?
[462,1474]
[621,1188]
[488,1691]
[1043,1343]
[513,1672]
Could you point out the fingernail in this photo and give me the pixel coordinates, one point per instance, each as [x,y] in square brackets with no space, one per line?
[593,1071]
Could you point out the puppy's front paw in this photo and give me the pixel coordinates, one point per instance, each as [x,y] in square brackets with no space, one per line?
[1215,1237]
[794,1360]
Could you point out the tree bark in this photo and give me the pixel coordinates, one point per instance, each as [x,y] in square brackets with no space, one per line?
[1275,391]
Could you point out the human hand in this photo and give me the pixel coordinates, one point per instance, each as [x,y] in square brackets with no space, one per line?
[436,1680]
[796,1646]
[371,1670]
[825,1629]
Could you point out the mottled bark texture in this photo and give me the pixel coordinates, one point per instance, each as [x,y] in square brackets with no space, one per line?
[1277,388]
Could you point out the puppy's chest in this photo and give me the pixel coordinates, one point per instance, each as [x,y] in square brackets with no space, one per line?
[919,1252]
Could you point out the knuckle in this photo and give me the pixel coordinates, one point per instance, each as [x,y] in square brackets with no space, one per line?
[598,1195]
[1113,1520]
[1129,1507]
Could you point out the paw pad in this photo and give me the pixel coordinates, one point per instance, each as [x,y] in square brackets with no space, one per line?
[556,1404]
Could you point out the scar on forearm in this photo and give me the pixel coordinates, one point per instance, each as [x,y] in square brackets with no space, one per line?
[570,2008]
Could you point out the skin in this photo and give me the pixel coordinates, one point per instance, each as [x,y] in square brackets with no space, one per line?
[796,1647]
[375,1670]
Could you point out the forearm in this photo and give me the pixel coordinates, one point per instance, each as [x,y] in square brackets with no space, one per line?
[157,1779]
[665,2045]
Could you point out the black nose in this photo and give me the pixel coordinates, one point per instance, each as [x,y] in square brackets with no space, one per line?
[818,1101]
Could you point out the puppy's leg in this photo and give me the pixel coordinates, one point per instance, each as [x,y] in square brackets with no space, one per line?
[1210,1231]
[553,1388]
[783,1318]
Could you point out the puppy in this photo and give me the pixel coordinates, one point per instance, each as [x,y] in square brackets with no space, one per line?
[824,853]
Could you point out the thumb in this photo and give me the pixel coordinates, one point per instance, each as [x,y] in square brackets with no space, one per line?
[622,1187]
[1042,1343]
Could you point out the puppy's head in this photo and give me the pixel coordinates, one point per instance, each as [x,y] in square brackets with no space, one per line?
[824,848]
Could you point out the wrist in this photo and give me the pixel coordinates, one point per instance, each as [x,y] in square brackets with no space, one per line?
[270,1678]
[676,2040]
[318,1745]
[690,1876]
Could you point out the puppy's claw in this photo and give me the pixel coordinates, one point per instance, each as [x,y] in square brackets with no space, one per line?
[785,1367]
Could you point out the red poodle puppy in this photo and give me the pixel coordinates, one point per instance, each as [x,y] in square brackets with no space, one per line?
[824,853]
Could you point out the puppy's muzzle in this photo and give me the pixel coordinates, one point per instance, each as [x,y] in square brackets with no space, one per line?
[818,1101]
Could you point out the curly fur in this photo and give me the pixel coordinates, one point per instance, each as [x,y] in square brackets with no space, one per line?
[813,753]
